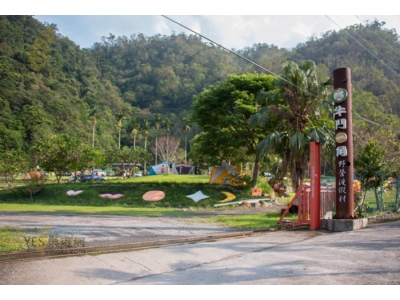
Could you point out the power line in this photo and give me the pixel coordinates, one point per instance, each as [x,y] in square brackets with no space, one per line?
[369,121]
[369,43]
[264,69]
[240,56]
[364,47]
[391,47]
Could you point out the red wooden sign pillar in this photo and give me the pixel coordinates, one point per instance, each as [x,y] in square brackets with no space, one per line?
[344,143]
[315,178]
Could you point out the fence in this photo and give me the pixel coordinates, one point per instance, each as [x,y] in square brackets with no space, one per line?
[302,200]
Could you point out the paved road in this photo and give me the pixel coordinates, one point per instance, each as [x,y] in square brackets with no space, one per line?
[367,256]
[99,230]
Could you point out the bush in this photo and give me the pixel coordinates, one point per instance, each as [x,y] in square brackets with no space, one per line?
[263,184]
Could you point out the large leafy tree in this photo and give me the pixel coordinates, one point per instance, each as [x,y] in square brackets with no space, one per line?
[370,171]
[12,163]
[223,111]
[211,149]
[126,157]
[296,102]
[60,151]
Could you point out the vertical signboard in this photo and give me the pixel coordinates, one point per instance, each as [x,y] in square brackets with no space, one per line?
[344,167]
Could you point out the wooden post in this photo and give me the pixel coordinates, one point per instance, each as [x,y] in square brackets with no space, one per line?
[344,166]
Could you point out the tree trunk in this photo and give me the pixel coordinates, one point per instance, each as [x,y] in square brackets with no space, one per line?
[185,147]
[396,205]
[167,155]
[156,150]
[144,163]
[256,168]
[378,200]
[93,137]
[119,139]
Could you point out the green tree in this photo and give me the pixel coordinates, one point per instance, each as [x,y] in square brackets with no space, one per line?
[93,114]
[167,124]
[59,152]
[120,117]
[370,171]
[12,163]
[157,123]
[226,108]
[134,131]
[88,158]
[145,128]
[296,103]
[126,156]
[186,128]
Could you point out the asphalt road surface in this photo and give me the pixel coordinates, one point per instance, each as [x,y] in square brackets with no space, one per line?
[363,257]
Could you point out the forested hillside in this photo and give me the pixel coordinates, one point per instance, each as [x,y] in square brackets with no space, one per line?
[48,84]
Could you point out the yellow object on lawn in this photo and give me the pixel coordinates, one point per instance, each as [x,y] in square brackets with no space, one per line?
[229,197]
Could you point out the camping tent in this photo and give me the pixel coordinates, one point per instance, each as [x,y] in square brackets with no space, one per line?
[224,174]
[156,170]
[185,169]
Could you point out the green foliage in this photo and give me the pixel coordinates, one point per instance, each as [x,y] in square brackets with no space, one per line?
[48,85]
[263,184]
[127,155]
[223,112]
[59,152]
[294,102]
[370,171]
[12,163]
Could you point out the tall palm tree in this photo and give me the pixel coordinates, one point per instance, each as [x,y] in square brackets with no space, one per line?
[167,131]
[298,97]
[145,130]
[186,129]
[134,131]
[157,122]
[120,116]
[93,114]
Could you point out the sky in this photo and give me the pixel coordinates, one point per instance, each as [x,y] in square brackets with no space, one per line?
[235,26]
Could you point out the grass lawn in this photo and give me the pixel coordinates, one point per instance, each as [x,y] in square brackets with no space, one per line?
[52,198]
[95,210]
[175,187]
[248,221]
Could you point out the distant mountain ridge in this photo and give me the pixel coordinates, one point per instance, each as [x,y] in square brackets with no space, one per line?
[142,76]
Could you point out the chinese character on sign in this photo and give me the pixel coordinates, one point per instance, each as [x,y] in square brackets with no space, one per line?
[342,172]
[342,190]
[341,151]
[339,110]
[342,182]
[342,198]
[340,124]
[342,163]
